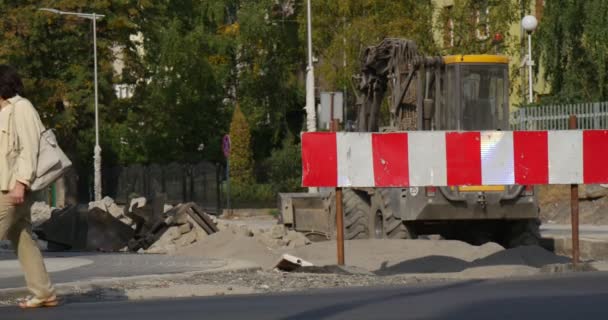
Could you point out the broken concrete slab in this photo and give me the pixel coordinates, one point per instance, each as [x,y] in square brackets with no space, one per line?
[291,263]
[40,212]
[77,228]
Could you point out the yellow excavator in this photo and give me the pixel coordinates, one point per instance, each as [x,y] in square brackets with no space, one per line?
[398,89]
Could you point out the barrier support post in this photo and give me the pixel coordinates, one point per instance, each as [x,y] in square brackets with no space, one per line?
[333,126]
[574,206]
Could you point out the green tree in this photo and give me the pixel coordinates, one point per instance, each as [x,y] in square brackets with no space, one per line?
[342,29]
[285,167]
[54,55]
[469,26]
[573,46]
[241,159]
[269,60]
[178,105]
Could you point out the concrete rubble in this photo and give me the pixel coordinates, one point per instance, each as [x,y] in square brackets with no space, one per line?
[142,226]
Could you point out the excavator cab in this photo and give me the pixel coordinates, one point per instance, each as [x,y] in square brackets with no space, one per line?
[476,93]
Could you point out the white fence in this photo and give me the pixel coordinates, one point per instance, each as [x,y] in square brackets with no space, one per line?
[555,117]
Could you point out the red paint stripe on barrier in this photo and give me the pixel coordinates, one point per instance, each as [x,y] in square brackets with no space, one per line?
[463,155]
[319,159]
[595,153]
[390,153]
[531,157]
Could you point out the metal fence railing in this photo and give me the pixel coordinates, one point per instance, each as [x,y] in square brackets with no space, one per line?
[180,182]
[555,117]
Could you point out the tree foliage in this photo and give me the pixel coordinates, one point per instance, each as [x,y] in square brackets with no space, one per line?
[269,59]
[178,108]
[469,26]
[241,166]
[54,55]
[285,167]
[573,45]
[342,29]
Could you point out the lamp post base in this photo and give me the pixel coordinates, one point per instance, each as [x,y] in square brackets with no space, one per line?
[97,168]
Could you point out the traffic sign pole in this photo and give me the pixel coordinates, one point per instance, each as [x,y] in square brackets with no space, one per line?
[226,145]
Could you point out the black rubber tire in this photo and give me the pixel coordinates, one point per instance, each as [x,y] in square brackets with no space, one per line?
[523,233]
[356,214]
[392,227]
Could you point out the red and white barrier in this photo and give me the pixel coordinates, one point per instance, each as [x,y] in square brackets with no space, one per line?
[438,158]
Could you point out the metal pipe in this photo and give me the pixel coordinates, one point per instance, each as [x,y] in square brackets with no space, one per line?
[530,64]
[97,150]
[574,206]
[339,207]
[309,30]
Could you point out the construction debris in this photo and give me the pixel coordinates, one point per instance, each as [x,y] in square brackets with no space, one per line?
[76,228]
[40,212]
[108,205]
[142,226]
[291,263]
[186,223]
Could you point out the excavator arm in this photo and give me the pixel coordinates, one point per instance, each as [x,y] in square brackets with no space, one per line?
[393,67]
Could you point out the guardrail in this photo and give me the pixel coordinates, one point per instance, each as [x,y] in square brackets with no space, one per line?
[555,117]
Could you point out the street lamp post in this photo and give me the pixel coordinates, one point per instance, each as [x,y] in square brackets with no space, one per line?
[529,23]
[311,116]
[311,121]
[97,150]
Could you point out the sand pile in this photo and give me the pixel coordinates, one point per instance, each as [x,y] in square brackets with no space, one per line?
[261,246]
[381,256]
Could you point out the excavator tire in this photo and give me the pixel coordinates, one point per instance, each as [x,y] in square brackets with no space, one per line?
[384,224]
[523,233]
[356,215]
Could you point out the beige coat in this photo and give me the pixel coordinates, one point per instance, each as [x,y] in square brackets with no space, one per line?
[20,129]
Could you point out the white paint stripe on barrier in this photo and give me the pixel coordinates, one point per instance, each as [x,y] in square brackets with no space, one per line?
[427,163]
[497,163]
[355,159]
[565,157]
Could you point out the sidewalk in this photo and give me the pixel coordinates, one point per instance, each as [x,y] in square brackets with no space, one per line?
[593,240]
[83,271]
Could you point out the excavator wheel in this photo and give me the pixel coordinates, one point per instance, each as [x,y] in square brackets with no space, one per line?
[356,214]
[384,224]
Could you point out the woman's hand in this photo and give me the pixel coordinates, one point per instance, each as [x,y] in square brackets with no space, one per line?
[17,195]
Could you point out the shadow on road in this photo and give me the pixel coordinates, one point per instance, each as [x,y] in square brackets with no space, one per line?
[530,256]
[329,311]
[589,306]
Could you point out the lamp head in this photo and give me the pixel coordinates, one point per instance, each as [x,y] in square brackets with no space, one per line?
[529,23]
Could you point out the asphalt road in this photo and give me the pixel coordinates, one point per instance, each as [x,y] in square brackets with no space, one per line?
[574,296]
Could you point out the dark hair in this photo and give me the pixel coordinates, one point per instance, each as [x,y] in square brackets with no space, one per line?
[10,82]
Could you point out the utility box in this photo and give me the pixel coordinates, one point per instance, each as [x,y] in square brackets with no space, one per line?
[325,108]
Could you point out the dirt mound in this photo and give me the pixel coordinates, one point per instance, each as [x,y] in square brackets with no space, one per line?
[227,244]
[532,256]
[554,202]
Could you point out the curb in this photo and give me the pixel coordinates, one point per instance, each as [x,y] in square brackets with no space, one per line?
[87,286]
[590,248]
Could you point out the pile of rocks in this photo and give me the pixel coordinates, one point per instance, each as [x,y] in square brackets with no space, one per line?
[276,236]
[182,233]
[108,205]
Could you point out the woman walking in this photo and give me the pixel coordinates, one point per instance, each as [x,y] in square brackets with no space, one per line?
[20,129]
